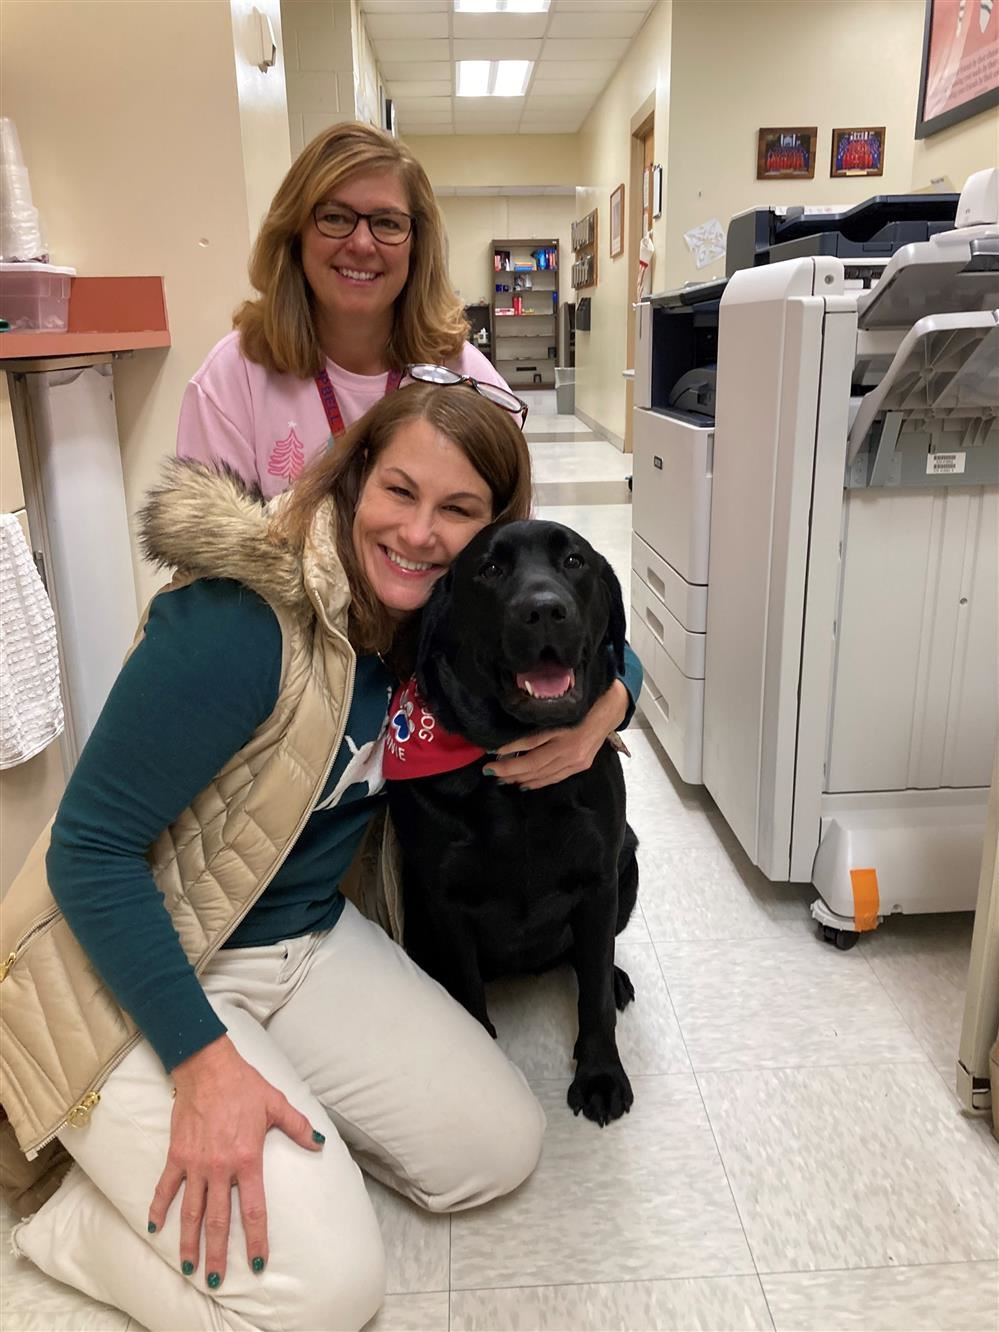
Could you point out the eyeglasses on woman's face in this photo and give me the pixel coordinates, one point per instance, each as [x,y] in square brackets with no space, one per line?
[440,374]
[388,226]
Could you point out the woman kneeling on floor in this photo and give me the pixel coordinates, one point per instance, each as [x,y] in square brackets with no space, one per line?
[199,978]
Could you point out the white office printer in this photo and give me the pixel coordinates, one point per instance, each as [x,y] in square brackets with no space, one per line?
[818,512]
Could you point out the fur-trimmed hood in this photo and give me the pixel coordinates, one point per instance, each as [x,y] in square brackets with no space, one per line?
[205,522]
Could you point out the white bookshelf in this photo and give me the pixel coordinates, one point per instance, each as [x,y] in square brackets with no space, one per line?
[526,342]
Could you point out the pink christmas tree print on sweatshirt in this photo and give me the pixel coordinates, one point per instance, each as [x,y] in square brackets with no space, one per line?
[287,456]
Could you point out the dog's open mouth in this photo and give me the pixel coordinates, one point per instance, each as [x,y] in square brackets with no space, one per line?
[547,681]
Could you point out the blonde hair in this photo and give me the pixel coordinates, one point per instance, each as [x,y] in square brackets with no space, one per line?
[488,436]
[277,329]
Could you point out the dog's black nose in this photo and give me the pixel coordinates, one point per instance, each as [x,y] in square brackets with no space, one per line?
[543,608]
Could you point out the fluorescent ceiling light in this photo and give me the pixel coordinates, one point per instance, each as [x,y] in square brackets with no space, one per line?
[501,6]
[493,78]
[473,78]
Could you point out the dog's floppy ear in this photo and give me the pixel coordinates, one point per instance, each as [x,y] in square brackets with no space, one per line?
[616,622]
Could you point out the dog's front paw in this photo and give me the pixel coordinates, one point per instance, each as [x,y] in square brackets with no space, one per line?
[602,1094]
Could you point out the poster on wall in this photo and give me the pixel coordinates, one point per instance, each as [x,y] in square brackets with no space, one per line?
[858,152]
[960,70]
[786,154]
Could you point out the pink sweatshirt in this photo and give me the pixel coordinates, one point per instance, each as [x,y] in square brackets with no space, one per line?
[266,426]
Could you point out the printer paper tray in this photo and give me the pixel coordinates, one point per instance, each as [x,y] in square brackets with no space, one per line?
[946,369]
[930,277]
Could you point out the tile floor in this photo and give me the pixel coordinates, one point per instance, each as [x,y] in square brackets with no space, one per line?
[795,1158]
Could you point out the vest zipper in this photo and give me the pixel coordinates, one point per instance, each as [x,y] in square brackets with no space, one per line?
[80,1113]
[36,928]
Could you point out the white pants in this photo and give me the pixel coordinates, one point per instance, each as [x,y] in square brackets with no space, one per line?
[373,1053]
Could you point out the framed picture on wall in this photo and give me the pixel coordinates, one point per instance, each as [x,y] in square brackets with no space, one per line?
[786,154]
[960,70]
[617,222]
[858,152]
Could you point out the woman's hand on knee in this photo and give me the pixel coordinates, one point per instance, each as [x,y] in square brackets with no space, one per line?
[222,1112]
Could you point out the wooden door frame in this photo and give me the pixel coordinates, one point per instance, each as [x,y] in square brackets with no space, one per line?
[642,126]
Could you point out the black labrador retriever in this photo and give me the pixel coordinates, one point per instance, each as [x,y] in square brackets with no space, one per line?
[524,632]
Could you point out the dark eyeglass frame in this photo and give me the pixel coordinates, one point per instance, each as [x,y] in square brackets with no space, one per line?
[521,409]
[365,217]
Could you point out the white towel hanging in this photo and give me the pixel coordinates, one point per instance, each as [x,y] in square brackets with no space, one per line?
[30,702]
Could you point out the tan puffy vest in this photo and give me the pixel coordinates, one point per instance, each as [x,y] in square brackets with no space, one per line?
[61,1031]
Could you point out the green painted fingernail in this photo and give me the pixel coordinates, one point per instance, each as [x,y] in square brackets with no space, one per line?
[187,1267]
[151,1227]
[214,1280]
[490,772]
[318,1137]
[258,1265]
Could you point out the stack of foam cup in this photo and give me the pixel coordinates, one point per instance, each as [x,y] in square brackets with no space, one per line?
[20,230]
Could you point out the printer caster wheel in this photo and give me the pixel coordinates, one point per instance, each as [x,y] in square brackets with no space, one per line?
[841,939]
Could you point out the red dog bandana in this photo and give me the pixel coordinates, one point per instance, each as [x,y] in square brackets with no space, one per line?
[417,745]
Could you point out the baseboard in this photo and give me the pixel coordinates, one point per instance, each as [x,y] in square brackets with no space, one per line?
[601,430]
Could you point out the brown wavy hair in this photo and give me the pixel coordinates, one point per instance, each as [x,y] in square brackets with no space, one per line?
[488,436]
[277,329]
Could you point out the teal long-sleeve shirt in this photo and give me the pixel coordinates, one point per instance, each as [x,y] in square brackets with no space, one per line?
[204,678]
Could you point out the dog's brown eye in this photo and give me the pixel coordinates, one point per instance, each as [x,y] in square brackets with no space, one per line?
[491,570]
[574,561]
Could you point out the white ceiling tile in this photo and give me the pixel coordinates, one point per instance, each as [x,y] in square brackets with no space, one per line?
[416,106]
[572,88]
[588,6]
[404,6]
[408,52]
[493,50]
[395,73]
[408,119]
[533,128]
[553,124]
[506,107]
[414,131]
[586,48]
[406,24]
[415,123]
[505,27]
[427,88]
[509,127]
[612,22]
[598,70]
[542,102]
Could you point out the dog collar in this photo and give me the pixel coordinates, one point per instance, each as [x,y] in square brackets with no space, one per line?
[417,745]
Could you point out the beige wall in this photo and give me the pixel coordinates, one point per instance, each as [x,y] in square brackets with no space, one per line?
[367,75]
[319,49]
[136,133]
[811,76]
[953,154]
[263,107]
[474,223]
[605,162]
[779,62]
[496,159]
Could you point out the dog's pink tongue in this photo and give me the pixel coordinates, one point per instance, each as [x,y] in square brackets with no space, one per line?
[547,681]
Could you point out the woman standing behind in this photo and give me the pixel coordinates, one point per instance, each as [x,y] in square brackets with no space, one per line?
[351,270]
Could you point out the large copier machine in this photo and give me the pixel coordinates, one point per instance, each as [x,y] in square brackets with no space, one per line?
[816,545]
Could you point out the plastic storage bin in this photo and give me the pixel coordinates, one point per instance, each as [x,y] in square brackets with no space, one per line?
[35,297]
[565,390]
